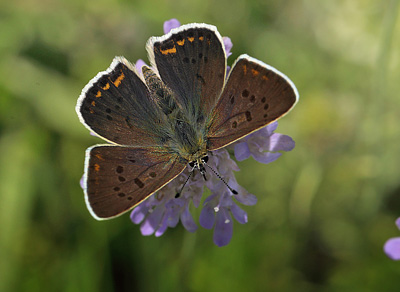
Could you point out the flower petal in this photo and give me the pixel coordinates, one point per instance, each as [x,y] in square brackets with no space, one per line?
[174,208]
[239,214]
[171,24]
[187,220]
[227,164]
[146,228]
[223,228]
[228,45]
[271,128]
[226,199]
[207,217]
[197,193]
[82,182]
[279,142]
[242,151]
[173,219]
[152,221]
[163,227]
[245,198]
[215,184]
[392,248]
[266,157]
[138,66]
[209,198]
[228,69]
[139,213]
[398,222]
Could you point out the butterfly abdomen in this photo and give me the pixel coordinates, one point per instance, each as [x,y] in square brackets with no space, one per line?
[160,93]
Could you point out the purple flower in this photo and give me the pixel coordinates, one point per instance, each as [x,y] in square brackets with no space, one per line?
[163,210]
[392,246]
[263,144]
[171,24]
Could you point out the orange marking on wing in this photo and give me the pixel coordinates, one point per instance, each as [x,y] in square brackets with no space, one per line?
[181,42]
[255,72]
[93,103]
[245,69]
[98,94]
[201,38]
[119,79]
[96,167]
[265,78]
[106,87]
[99,157]
[191,39]
[91,111]
[168,51]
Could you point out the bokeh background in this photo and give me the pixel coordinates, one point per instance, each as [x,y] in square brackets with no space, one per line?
[325,209]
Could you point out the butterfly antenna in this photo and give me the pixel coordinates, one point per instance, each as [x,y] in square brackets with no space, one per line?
[220,177]
[180,192]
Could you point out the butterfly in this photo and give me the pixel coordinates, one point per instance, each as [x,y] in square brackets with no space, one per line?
[174,113]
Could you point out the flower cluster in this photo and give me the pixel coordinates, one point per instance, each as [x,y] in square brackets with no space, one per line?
[163,210]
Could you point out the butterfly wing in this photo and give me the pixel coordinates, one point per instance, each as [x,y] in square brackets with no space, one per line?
[117,178]
[191,60]
[117,106]
[255,95]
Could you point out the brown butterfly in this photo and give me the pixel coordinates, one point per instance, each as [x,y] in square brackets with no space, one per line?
[174,114]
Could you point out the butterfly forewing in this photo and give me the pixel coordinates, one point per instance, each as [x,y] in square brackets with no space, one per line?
[255,95]
[117,178]
[117,106]
[191,61]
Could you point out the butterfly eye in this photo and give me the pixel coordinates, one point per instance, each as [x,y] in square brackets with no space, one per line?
[205,159]
[192,163]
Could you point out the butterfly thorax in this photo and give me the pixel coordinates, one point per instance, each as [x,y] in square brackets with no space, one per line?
[188,143]
[182,133]
[187,138]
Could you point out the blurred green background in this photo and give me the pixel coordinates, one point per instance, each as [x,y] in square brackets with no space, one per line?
[325,209]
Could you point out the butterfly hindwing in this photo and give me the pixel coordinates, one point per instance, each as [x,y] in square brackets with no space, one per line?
[191,61]
[117,178]
[117,106]
[255,95]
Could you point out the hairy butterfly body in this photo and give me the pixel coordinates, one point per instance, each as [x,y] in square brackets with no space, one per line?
[159,121]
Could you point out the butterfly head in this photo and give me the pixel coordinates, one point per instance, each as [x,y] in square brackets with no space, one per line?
[198,163]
